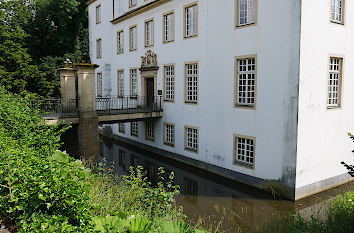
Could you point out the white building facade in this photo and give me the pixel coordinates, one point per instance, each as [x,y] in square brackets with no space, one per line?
[255,90]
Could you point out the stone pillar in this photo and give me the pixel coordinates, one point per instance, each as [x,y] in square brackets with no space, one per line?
[67,81]
[88,127]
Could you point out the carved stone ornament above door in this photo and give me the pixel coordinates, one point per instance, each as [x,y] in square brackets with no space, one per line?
[149,61]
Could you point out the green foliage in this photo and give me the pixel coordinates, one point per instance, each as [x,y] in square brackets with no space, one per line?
[35,39]
[350,167]
[38,185]
[338,219]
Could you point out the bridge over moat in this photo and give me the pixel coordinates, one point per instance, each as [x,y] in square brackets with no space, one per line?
[80,107]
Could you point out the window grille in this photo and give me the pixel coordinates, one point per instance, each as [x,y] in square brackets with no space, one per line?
[247,12]
[120,83]
[149,33]
[191,83]
[120,42]
[169,83]
[150,130]
[98,14]
[337,11]
[169,27]
[191,135]
[334,82]
[169,134]
[134,131]
[191,21]
[121,127]
[246,82]
[99,85]
[244,149]
[190,188]
[132,3]
[133,38]
[133,82]
[99,48]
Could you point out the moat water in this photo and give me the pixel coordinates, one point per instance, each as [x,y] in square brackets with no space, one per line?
[215,200]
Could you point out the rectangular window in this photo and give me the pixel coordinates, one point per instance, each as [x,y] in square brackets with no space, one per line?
[133,38]
[133,82]
[337,11]
[132,3]
[169,81]
[334,82]
[121,127]
[120,42]
[121,158]
[149,130]
[246,12]
[99,48]
[244,151]
[169,134]
[120,83]
[149,33]
[99,85]
[191,20]
[168,27]
[134,130]
[191,83]
[98,14]
[190,188]
[191,139]
[246,82]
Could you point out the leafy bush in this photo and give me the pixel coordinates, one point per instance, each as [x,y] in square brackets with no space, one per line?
[36,186]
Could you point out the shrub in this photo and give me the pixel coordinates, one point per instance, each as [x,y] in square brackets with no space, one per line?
[37,185]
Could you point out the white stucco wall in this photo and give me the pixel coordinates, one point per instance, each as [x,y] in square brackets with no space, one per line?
[275,40]
[323,141]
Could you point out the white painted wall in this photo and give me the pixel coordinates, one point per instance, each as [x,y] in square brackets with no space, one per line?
[323,141]
[275,40]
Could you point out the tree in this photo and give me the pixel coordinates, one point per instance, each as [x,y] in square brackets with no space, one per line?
[17,72]
[350,167]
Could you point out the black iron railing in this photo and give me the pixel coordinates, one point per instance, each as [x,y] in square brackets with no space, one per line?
[128,104]
[113,105]
[61,108]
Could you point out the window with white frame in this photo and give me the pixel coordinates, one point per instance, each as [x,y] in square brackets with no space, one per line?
[149,130]
[190,21]
[334,82]
[99,48]
[168,27]
[149,33]
[247,10]
[98,14]
[121,127]
[246,82]
[120,42]
[337,11]
[134,130]
[120,83]
[244,151]
[169,73]
[191,89]
[169,134]
[99,85]
[191,139]
[133,38]
[132,3]
[133,82]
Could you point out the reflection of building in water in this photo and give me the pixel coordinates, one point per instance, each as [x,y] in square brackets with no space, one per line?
[201,193]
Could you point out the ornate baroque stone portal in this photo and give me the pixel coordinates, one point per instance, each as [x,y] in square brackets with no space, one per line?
[148,71]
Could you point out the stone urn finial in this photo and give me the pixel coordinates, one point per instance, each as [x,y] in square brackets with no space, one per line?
[85,58]
[68,63]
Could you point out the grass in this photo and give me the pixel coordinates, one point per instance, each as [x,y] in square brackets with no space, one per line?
[338,218]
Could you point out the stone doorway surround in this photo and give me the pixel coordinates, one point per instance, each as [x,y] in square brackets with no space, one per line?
[148,69]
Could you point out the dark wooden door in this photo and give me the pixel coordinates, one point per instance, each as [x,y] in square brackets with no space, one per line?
[150,91]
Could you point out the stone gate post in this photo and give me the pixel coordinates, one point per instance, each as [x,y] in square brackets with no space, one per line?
[67,81]
[88,126]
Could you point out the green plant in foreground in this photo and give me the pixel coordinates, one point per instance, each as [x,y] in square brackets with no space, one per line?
[349,167]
